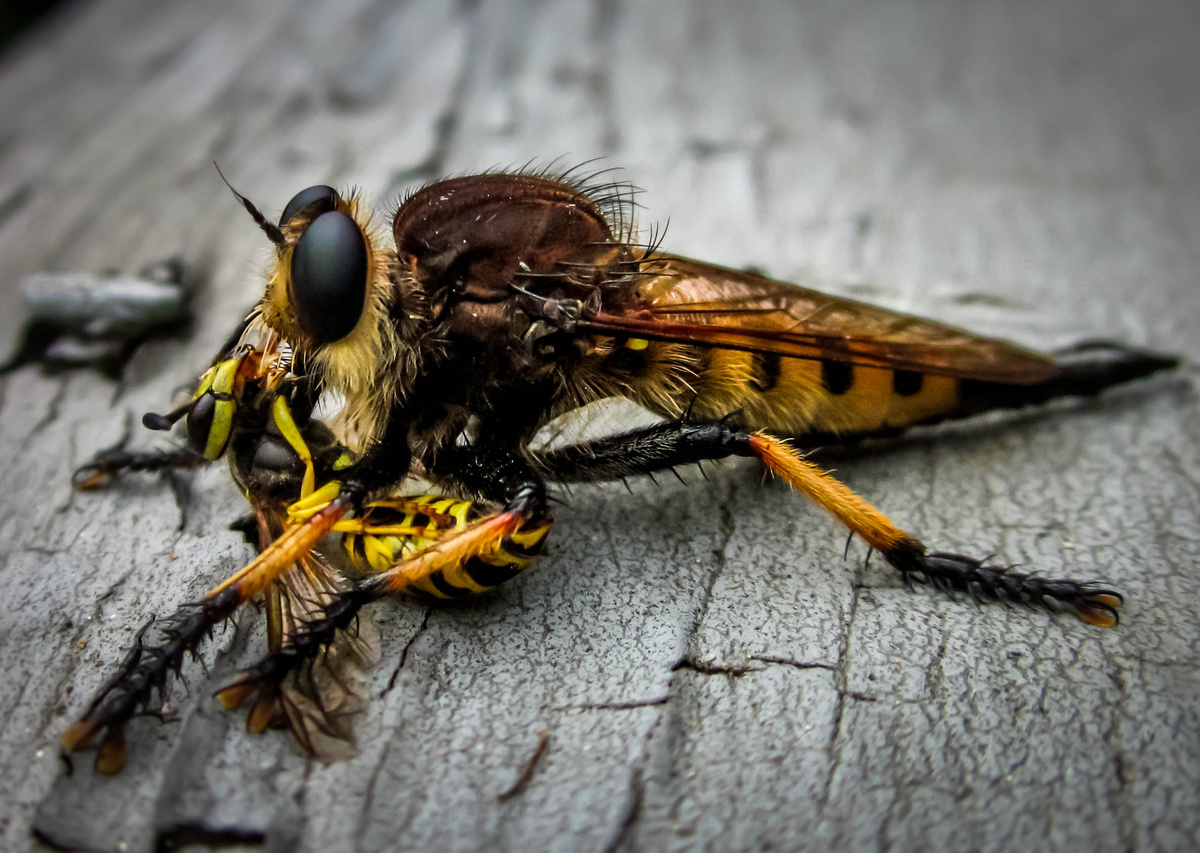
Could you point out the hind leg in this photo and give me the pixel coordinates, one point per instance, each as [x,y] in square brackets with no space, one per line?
[668,445]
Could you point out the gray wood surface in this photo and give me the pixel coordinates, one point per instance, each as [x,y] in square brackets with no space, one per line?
[712,673]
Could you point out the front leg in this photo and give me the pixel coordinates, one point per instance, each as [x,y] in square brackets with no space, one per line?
[669,445]
[385,463]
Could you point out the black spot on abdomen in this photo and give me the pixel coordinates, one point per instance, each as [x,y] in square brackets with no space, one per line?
[837,376]
[489,574]
[765,371]
[907,383]
[446,588]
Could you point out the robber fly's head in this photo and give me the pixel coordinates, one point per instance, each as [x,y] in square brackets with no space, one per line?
[328,272]
[331,297]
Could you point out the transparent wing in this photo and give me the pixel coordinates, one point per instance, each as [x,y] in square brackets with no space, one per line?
[678,299]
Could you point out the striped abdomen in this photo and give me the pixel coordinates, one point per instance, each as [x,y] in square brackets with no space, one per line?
[800,397]
[787,396]
[397,529]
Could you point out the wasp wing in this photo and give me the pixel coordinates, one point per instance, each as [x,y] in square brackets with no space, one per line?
[682,300]
[322,698]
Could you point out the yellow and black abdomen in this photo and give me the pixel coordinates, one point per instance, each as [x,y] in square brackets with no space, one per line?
[786,396]
[798,396]
[396,529]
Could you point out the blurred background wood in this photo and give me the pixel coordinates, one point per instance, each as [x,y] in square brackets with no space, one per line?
[712,673]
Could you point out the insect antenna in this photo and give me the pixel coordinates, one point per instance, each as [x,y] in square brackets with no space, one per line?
[163,423]
[269,228]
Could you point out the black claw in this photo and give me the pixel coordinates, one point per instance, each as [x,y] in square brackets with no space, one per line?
[144,674]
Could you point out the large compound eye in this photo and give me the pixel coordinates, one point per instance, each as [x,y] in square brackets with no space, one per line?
[329,277]
[200,421]
[321,199]
[209,424]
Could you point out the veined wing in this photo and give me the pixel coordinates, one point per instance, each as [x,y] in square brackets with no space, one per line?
[679,299]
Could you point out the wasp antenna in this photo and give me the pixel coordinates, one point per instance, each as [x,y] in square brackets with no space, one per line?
[269,228]
[163,423]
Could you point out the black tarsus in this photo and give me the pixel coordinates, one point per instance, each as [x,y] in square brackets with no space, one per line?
[305,645]
[147,667]
[110,464]
[959,573]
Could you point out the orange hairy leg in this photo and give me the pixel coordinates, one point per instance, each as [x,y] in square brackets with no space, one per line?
[827,492]
[273,562]
[480,554]
[668,445]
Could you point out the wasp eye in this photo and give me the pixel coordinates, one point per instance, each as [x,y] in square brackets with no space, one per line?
[313,202]
[200,422]
[329,277]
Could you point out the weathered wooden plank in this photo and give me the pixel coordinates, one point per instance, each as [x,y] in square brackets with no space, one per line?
[1030,170]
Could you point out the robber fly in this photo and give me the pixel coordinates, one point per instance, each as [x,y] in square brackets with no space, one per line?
[505,301]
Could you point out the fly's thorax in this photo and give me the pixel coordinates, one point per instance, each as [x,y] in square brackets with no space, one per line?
[367,321]
[477,237]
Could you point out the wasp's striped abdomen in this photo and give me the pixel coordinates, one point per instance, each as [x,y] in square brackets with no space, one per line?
[397,529]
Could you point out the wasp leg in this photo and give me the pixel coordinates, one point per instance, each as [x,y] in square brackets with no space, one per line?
[482,555]
[668,445]
[108,465]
